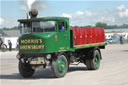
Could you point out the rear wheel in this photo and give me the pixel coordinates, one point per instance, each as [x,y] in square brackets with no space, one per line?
[93,60]
[60,66]
[25,70]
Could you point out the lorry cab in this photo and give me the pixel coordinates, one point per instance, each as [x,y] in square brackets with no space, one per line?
[44,35]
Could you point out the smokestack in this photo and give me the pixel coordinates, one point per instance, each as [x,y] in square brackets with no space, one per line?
[33,13]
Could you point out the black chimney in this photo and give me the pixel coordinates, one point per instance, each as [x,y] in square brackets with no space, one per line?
[33,13]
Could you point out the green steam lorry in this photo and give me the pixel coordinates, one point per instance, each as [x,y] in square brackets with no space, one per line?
[43,43]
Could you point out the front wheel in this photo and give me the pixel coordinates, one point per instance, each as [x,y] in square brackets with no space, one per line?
[60,66]
[25,70]
[93,60]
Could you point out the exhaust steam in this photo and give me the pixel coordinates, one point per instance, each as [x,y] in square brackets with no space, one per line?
[33,6]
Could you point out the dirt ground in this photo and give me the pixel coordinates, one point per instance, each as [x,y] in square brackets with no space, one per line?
[113,70]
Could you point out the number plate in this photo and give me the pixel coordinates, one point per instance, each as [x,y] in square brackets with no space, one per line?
[39,60]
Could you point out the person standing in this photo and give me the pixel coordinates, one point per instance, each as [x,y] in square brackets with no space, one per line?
[121,39]
[1,41]
[10,45]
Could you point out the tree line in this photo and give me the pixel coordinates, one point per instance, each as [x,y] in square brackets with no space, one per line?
[106,26]
[7,28]
[98,24]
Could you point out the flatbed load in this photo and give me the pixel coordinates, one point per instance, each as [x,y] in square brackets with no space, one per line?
[49,41]
[88,35]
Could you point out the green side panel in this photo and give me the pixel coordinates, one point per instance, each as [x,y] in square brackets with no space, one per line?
[35,43]
[43,43]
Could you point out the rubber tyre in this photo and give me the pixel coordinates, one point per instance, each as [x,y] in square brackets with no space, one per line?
[3,47]
[55,67]
[93,60]
[25,70]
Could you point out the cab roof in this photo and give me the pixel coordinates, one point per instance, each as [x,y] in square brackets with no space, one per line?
[44,19]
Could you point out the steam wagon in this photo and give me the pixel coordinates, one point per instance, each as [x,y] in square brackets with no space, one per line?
[49,41]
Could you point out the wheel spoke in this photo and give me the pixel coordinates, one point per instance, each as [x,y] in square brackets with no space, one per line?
[61,66]
[97,61]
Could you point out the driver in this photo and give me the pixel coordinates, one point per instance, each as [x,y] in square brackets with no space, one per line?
[61,26]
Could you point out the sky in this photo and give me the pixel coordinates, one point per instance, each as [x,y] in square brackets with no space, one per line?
[80,12]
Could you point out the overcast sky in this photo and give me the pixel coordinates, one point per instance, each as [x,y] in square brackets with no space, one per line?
[80,12]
